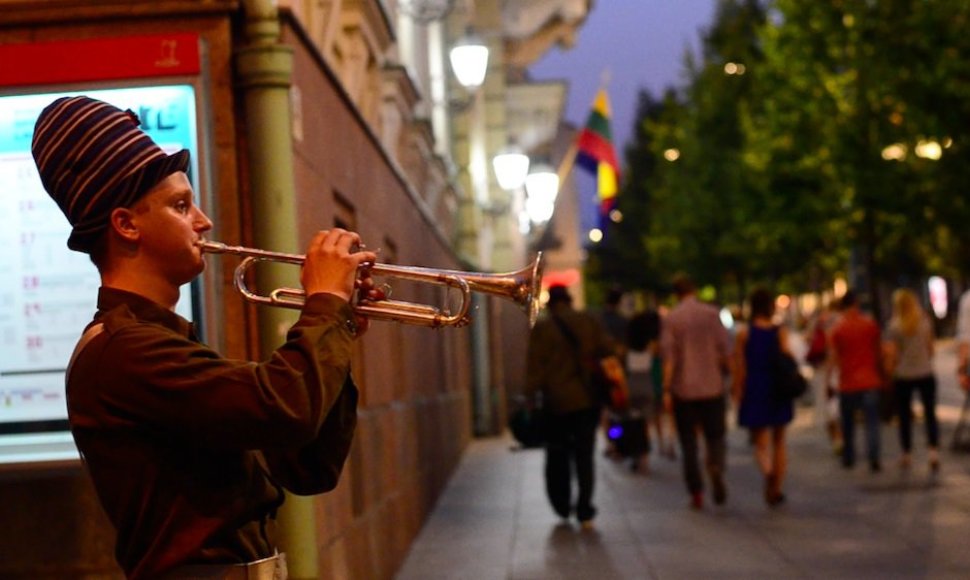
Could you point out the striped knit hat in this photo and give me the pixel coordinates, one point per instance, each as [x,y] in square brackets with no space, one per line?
[93,158]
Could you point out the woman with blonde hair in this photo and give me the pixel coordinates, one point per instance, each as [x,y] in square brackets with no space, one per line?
[909,359]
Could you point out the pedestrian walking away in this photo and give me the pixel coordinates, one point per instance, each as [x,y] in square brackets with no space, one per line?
[855,348]
[615,323]
[563,347]
[963,341]
[760,409]
[696,353]
[909,360]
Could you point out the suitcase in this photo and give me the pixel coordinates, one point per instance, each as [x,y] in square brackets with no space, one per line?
[628,434]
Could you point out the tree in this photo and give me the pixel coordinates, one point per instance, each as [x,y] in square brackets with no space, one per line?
[801,149]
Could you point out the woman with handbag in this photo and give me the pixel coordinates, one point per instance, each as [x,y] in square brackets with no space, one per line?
[760,409]
[908,352]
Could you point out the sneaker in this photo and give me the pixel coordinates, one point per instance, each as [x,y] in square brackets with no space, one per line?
[718,491]
[776,499]
[697,501]
[586,526]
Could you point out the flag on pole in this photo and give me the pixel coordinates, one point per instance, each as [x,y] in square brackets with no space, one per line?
[595,153]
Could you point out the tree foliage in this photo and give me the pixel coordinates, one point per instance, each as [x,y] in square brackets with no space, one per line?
[813,160]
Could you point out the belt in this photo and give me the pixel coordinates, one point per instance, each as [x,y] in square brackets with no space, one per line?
[272,568]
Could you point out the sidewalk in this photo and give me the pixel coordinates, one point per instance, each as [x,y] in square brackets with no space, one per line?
[493,520]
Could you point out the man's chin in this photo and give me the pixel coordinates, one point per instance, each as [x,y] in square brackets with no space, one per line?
[194,272]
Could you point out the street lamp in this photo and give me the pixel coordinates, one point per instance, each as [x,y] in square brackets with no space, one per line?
[542,188]
[469,60]
[511,168]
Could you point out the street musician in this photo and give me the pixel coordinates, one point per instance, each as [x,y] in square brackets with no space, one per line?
[189,452]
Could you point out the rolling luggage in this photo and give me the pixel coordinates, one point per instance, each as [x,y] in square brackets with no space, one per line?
[628,433]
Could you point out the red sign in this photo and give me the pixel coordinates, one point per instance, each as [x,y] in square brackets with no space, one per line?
[99,59]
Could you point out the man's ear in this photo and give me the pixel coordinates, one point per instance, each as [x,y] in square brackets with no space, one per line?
[123,224]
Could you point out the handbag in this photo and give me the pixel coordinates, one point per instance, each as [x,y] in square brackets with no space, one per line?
[527,426]
[816,351]
[787,381]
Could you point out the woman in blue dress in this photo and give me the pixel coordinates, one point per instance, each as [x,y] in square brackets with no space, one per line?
[758,408]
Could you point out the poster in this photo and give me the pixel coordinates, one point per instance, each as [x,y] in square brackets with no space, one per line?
[48,293]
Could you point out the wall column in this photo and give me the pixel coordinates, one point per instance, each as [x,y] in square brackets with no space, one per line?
[265,68]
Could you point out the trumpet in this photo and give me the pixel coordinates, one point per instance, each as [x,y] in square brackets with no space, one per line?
[522,287]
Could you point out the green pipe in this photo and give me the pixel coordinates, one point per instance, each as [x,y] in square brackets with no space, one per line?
[264,67]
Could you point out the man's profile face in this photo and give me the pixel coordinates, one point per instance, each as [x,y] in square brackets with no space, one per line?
[170,224]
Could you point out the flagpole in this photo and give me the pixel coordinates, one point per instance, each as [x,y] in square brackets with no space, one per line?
[605,77]
[567,163]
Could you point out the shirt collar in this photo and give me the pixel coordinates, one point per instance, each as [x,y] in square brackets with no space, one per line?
[143,309]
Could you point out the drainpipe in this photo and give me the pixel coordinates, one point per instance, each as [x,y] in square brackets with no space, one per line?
[264,68]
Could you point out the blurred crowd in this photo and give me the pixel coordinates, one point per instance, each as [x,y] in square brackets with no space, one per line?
[668,381]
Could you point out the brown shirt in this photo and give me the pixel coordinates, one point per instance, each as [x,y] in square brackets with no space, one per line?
[169,430]
[556,365]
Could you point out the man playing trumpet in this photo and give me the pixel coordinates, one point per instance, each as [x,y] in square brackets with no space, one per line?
[190,452]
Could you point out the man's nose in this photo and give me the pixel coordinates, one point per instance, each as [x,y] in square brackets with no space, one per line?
[202,221]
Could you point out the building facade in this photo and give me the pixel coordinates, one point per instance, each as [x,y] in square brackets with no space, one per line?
[311,114]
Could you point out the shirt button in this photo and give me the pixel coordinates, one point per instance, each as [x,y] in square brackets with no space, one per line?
[351,325]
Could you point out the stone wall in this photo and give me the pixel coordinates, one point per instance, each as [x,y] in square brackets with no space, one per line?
[415,408]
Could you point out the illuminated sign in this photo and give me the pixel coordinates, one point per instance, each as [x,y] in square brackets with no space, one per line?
[48,293]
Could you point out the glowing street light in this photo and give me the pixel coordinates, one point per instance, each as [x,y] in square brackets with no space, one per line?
[511,168]
[469,60]
[542,188]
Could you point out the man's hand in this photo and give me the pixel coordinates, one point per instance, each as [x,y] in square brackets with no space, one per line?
[331,266]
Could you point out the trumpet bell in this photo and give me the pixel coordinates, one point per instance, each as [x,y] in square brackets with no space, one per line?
[524,287]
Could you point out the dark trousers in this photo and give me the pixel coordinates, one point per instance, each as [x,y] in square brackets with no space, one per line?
[926,387]
[570,442]
[708,416]
[849,403]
